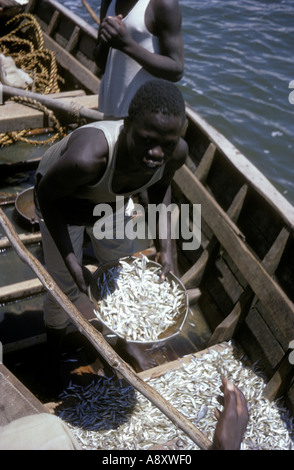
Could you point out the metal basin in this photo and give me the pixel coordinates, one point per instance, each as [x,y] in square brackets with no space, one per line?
[25,207]
[171,331]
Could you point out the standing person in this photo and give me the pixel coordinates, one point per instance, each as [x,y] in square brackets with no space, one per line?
[94,165]
[141,39]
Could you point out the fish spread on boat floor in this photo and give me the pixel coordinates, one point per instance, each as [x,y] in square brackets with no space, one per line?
[110,414]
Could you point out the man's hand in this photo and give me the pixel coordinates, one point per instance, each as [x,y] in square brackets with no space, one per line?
[166,260]
[81,275]
[114,32]
[232,421]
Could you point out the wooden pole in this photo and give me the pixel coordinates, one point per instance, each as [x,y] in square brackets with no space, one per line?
[98,341]
[57,106]
[91,11]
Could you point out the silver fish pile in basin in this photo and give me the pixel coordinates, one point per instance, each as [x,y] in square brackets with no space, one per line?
[135,303]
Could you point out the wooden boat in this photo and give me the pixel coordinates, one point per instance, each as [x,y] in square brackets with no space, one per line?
[243,268]
[72,40]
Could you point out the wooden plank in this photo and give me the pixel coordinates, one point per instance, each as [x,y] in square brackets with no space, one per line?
[278,305]
[226,330]
[26,288]
[264,337]
[244,167]
[20,289]
[15,116]
[32,7]
[53,23]
[281,380]
[25,238]
[158,371]
[195,273]
[73,41]
[16,401]
[22,344]
[228,280]
[203,168]
[83,76]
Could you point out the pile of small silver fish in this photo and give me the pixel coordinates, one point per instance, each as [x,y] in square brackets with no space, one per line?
[135,303]
[111,415]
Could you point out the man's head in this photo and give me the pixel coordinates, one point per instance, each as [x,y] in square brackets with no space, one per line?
[154,125]
[158,96]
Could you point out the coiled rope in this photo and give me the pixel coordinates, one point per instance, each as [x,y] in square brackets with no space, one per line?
[39,63]
[12,137]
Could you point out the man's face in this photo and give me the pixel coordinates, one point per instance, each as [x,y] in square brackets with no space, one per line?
[153,139]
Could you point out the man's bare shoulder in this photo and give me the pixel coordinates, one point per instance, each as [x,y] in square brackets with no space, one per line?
[167,16]
[87,148]
[177,160]
[165,6]
[181,152]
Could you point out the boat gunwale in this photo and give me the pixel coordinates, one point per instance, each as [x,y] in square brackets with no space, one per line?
[253,176]
[85,27]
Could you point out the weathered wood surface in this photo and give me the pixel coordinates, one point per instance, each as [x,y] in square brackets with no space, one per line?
[227,328]
[160,370]
[232,156]
[26,238]
[15,116]
[280,309]
[16,401]
[26,288]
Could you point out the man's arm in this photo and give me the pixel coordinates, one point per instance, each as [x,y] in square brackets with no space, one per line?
[167,26]
[82,163]
[102,48]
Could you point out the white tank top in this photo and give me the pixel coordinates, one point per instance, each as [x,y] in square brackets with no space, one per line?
[123,75]
[102,190]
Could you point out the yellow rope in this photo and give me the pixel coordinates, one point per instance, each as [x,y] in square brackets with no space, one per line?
[24,42]
[11,137]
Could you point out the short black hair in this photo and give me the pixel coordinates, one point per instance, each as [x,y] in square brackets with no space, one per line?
[158,96]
